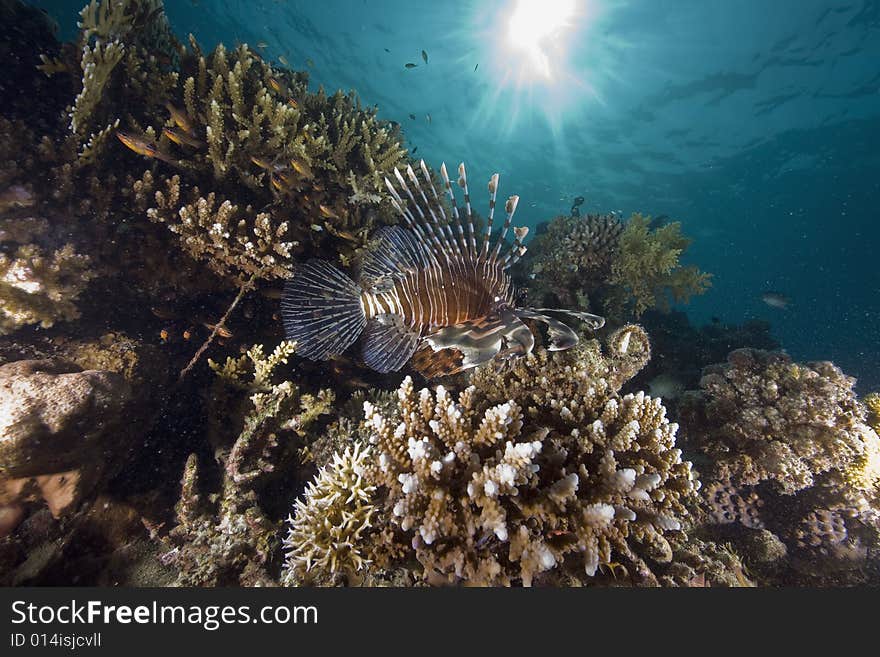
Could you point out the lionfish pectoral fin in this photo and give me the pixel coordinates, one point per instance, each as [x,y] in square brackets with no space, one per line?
[391,252]
[481,339]
[518,339]
[388,343]
[561,335]
[322,310]
[594,322]
[478,340]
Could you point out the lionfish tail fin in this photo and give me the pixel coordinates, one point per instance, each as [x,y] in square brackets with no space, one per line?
[322,310]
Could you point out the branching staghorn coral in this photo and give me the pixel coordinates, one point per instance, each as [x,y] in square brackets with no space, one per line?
[646,270]
[541,473]
[233,241]
[116,56]
[235,541]
[789,447]
[296,167]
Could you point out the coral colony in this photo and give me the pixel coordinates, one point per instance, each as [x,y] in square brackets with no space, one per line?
[153,206]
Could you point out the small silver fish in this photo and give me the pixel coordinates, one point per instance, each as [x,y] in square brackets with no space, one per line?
[776,300]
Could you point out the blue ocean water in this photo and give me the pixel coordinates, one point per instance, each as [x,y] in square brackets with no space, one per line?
[756,124]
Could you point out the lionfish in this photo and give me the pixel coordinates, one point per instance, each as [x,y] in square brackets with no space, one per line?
[425,290]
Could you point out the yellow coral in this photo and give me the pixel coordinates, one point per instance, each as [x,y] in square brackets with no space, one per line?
[647,266]
[329,529]
[872,403]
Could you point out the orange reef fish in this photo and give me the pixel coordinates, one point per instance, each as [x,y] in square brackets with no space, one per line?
[327,212]
[180,118]
[427,288]
[180,137]
[143,147]
[222,331]
[262,162]
[302,168]
[277,86]
[281,180]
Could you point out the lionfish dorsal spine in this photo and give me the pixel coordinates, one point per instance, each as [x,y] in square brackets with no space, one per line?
[487,236]
[432,227]
[462,182]
[444,226]
[510,210]
[444,174]
[517,250]
[411,220]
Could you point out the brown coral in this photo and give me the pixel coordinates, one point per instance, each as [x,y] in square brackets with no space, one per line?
[787,447]
[762,417]
[574,256]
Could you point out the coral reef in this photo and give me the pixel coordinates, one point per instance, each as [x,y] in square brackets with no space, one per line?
[39,287]
[268,167]
[540,473]
[785,446]
[619,269]
[573,257]
[698,563]
[229,538]
[777,421]
[144,182]
[681,350]
[872,403]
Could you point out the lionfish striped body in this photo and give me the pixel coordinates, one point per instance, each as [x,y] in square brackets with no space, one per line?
[427,288]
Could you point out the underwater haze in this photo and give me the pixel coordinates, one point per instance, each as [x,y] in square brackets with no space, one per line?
[753,123]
